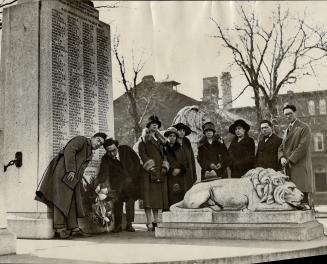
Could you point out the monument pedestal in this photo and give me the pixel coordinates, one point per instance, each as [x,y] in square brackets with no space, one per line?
[283,225]
[31,225]
[55,83]
[7,242]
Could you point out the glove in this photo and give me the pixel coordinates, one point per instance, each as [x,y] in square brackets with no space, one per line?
[176,172]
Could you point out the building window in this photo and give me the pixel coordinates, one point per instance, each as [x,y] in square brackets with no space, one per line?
[318,142]
[322,106]
[311,107]
[320,179]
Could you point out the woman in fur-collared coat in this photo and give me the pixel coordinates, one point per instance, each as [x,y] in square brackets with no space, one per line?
[241,149]
[156,166]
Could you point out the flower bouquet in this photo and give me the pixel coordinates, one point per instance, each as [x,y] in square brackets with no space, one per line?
[102,208]
[99,203]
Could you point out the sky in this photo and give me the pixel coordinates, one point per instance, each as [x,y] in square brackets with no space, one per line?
[176,40]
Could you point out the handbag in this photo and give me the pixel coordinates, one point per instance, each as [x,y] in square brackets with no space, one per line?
[156,176]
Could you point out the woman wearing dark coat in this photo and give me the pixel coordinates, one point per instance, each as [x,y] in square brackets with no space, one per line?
[190,175]
[178,183]
[241,149]
[156,166]
[212,154]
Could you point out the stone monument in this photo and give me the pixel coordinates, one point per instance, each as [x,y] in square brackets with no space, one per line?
[262,205]
[56,83]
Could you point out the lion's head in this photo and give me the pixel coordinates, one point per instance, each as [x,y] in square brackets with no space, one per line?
[288,193]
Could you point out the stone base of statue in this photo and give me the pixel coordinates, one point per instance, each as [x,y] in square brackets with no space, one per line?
[265,225]
[7,242]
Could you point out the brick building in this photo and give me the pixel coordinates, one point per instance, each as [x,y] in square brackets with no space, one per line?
[159,98]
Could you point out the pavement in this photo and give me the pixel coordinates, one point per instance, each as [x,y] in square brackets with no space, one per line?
[143,247]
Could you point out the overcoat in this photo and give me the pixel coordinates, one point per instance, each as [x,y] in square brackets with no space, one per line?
[295,148]
[155,195]
[177,184]
[241,156]
[213,153]
[123,175]
[190,163]
[267,153]
[52,190]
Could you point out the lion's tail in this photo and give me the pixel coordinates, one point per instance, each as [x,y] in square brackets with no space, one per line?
[178,207]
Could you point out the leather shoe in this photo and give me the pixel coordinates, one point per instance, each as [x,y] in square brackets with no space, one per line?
[62,234]
[79,233]
[117,229]
[130,228]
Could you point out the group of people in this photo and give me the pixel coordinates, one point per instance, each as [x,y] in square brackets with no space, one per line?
[161,168]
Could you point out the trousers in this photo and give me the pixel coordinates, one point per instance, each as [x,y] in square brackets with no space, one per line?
[61,221]
[118,211]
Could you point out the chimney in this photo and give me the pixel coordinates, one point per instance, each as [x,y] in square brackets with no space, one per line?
[226,86]
[210,90]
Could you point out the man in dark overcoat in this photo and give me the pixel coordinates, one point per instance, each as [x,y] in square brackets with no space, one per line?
[120,171]
[267,152]
[294,154]
[61,184]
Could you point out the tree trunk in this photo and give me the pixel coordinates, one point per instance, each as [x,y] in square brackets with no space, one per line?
[257,107]
[272,107]
[136,117]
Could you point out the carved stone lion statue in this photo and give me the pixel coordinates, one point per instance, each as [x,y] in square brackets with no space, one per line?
[258,190]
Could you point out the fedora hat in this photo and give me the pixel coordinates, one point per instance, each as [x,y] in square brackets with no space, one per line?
[179,126]
[171,130]
[208,126]
[241,123]
[153,119]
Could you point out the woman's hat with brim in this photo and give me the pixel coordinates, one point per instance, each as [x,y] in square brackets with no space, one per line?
[208,126]
[171,130]
[183,126]
[239,123]
[153,119]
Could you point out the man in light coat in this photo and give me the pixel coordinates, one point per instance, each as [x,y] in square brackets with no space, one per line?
[294,154]
[61,184]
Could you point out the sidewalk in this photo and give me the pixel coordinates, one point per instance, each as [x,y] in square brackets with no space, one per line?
[143,247]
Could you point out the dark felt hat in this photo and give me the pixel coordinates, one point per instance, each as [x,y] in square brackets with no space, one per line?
[183,126]
[290,106]
[171,130]
[241,123]
[208,126]
[153,119]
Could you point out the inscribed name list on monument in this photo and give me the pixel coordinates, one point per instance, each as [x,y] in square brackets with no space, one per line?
[80,73]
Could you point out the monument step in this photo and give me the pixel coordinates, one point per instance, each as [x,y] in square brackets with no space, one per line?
[256,231]
[37,228]
[239,217]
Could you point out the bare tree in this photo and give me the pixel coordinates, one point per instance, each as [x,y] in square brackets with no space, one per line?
[272,56]
[139,105]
